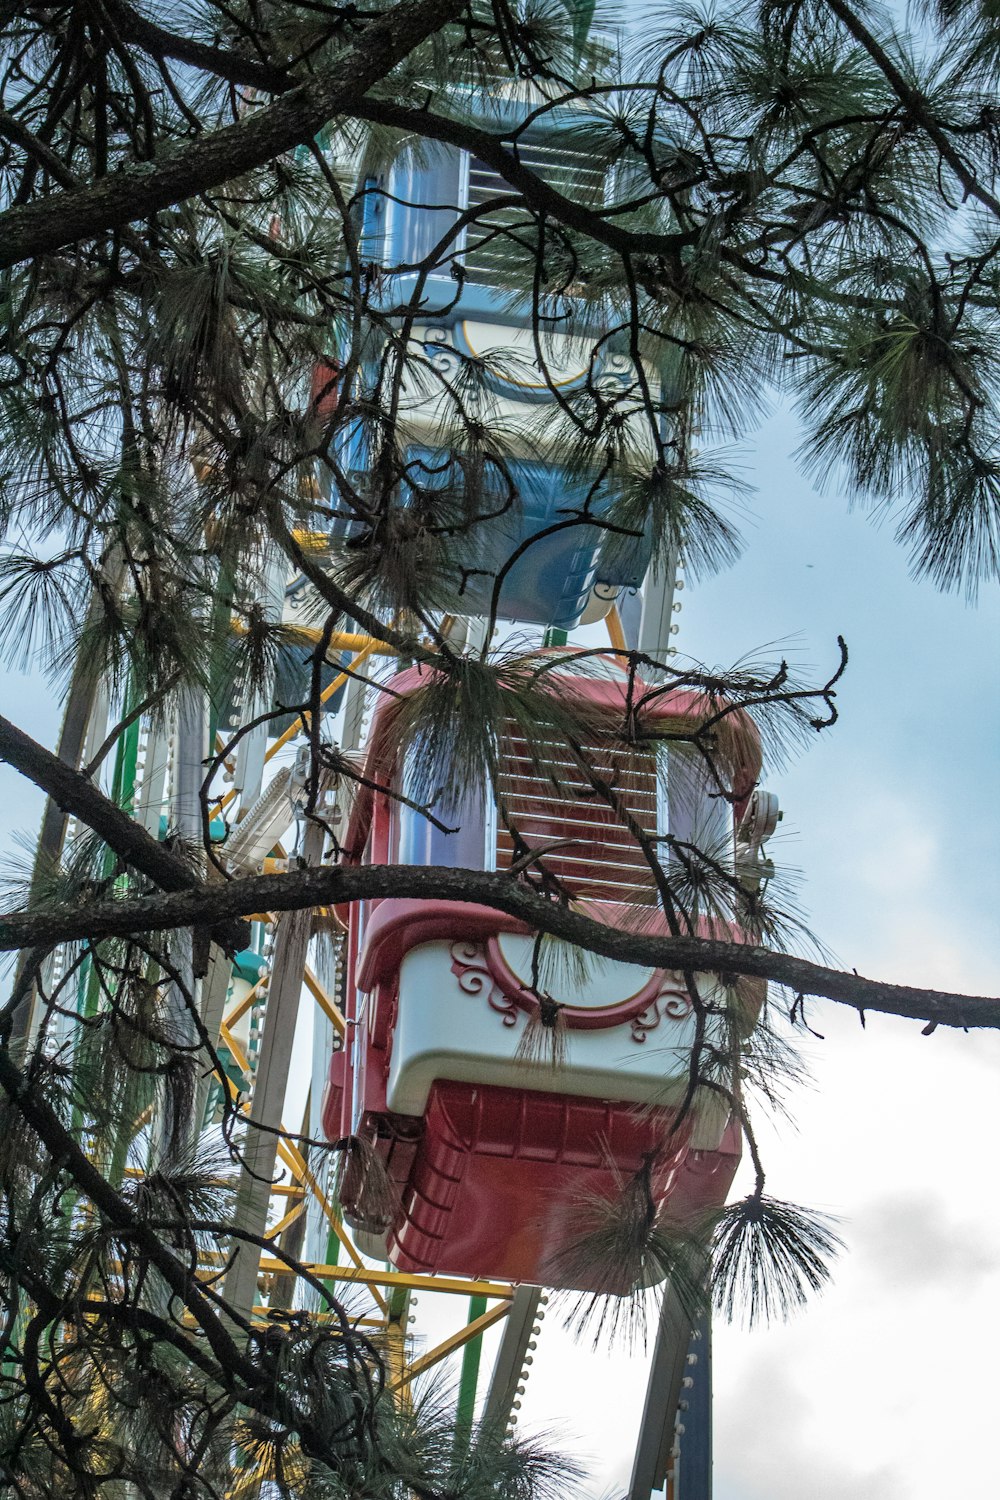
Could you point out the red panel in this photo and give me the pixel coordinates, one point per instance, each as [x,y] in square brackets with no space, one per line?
[397,924]
[738,738]
[333,1096]
[705,1178]
[498,1171]
[324,388]
[552,802]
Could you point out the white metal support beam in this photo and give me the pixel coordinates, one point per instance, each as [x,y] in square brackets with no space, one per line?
[513,1351]
[657,610]
[250,752]
[270,1082]
[174,1130]
[653,1452]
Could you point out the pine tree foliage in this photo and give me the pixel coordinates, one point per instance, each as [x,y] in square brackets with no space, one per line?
[196,210]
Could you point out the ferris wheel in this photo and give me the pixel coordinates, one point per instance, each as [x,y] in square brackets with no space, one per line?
[490,1095]
[489,1085]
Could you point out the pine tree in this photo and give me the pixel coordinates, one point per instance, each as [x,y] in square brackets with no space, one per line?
[216,347]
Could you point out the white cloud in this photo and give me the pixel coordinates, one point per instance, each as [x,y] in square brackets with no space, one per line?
[912,1241]
[775,1446]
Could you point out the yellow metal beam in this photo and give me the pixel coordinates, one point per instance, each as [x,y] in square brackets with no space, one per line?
[327,1005]
[315,542]
[343,641]
[262,1310]
[297,1163]
[448,1346]
[278,1189]
[295,1212]
[301,723]
[414,1281]
[236,1052]
[242,1006]
[396,1346]
[229,764]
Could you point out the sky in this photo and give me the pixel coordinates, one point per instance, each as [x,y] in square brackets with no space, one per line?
[883,1388]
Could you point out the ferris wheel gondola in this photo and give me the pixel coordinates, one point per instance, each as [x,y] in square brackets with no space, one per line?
[488,1143]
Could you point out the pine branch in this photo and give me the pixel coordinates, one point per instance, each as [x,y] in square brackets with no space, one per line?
[533,189]
[12,129]
[665,249]
[328,887]
[916,103]
[222,62]
[216,158]
[74,793]
[117,1212]
[249,1380]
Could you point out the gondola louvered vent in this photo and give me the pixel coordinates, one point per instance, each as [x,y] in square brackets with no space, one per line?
[549,800]
[501,246]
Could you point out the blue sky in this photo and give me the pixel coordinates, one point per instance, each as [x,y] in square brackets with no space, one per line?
[880,1391]
[883,1388]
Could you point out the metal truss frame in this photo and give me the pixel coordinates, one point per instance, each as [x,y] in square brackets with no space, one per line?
[292,1191]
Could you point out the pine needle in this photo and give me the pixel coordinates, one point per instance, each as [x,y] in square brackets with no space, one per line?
[768,1256]
[619,1247]
[543,1040]
[364,1187]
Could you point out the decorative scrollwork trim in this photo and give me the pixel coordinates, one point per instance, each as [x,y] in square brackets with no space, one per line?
[670,1004]
[471,968]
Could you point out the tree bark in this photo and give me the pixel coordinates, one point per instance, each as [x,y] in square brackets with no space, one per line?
[326,887]
[72,792]
[189,902]
[207,162]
